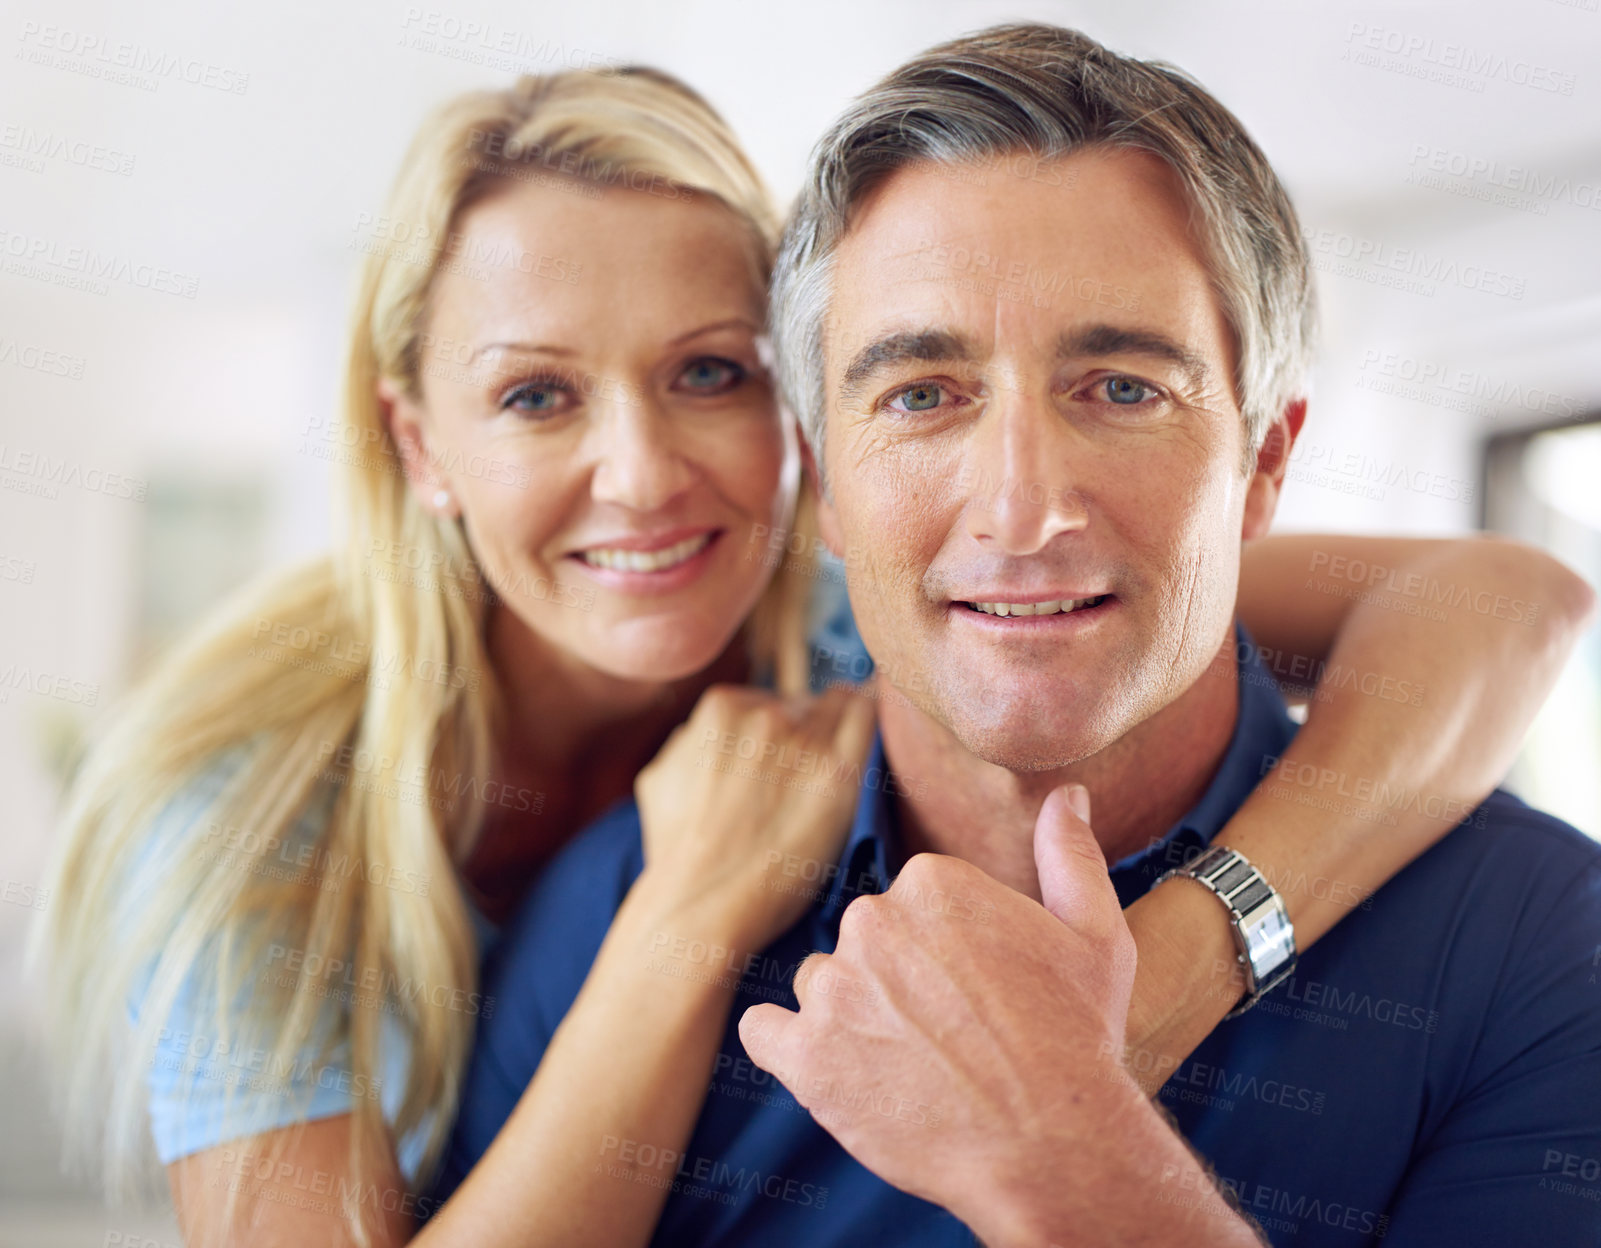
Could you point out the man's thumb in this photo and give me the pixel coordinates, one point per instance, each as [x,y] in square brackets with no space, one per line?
[1071,866]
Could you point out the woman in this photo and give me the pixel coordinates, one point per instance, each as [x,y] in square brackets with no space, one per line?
[571,463]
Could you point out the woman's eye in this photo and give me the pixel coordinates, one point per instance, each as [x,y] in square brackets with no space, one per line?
[711,375]
[1125,391]
[536,398]
[924,397]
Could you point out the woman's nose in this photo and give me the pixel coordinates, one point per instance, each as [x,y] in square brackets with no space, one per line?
[639,462]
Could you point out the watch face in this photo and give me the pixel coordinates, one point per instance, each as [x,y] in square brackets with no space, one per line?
[1272,940]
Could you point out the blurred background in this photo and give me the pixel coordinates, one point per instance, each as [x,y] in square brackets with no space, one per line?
[186,190]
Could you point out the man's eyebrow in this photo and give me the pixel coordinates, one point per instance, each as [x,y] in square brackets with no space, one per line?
[924,345]
[1116,340]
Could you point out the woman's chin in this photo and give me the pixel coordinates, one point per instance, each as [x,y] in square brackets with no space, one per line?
[661,661]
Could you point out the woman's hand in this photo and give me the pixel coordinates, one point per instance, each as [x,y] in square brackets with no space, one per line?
[748,784]
[747,780]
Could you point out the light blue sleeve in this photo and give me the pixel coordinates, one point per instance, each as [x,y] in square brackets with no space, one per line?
[204,1092]
[205,1088]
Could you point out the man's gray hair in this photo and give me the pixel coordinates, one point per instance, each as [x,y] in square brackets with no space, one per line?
[1047,91]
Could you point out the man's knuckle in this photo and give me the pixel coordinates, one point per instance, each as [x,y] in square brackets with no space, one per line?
[1125,950]
[863,916]
[769,721]
[719,703]
[920,869]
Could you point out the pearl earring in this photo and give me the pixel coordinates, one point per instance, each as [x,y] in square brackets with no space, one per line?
[442,499]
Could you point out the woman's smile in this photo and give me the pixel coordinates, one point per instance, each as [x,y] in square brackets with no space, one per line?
[650,563]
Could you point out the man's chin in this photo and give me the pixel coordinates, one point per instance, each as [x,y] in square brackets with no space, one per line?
[1027,752]
[1033,730]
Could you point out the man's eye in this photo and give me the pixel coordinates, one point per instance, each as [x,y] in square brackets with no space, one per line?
[924,397]
[711,375]
[1126,391]
[536,398]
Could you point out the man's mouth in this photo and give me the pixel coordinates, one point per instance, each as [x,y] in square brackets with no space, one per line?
[1059,606]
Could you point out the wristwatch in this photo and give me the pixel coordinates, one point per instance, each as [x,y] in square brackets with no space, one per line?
[1263,933]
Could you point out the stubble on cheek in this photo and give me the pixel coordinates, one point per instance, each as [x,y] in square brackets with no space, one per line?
[1180,611]
[1193,613]
[891,536]
[886,595]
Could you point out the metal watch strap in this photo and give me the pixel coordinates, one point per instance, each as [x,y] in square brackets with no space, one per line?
[1263,933]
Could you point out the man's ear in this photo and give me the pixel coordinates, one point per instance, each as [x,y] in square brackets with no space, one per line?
[404,417]
[827,520]
[1272,463]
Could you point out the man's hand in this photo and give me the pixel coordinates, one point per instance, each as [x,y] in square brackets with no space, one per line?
[963,1043]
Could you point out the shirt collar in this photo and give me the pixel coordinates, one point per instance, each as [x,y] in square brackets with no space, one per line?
[1262,729]
[867,863]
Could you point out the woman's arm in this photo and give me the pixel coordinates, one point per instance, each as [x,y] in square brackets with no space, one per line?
[288,1184]
[633,1058]
[1430,659]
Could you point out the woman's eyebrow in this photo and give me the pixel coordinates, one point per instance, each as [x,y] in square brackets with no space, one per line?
[530,347]
[545,348]
[733,322]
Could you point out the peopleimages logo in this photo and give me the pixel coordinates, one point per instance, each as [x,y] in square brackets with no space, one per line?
[1454,388]
[80,266]
[485,43]
[33,472]
[39,146]
[1278,1208]
[374,986]
[1202,1083]
[1309,460]
[1446,62]
[1430,589]
[48,685]
[34,358]
[636,1159]
[1352,256]
[1019,280]
[1496,175]
[118,60]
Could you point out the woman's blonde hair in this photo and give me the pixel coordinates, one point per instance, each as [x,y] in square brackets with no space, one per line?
[366,671]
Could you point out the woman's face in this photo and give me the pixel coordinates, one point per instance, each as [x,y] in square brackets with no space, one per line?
[592,400]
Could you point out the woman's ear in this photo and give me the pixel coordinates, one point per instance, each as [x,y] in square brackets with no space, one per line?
[404,417]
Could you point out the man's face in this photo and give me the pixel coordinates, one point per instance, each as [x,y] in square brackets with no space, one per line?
[1029,400]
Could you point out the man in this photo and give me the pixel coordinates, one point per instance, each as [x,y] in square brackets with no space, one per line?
[1045,314]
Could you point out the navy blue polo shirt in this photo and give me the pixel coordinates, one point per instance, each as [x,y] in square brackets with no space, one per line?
[1431,1074]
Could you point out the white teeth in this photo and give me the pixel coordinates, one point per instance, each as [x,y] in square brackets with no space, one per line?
[1061,606]
[646,560]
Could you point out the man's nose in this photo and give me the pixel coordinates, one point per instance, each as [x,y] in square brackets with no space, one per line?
[1021,474]
[640,463]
